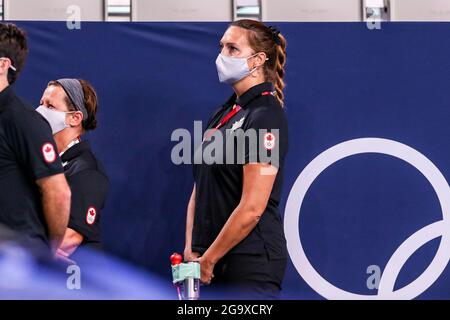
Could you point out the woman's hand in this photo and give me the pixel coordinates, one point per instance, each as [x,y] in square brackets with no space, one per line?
[206,268]
[190,256]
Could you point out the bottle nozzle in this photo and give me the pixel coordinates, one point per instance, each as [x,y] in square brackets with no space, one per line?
[176,259]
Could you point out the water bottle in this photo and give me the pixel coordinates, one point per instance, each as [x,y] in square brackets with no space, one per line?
[186,277]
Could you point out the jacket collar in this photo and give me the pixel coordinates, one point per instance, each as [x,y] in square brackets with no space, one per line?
[254,92]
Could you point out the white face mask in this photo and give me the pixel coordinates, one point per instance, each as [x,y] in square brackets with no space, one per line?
[232,69]
[56,119]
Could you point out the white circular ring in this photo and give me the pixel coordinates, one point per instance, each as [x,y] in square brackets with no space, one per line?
[408,247]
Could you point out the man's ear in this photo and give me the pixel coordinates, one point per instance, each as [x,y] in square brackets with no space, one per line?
[4,67]
[75,119]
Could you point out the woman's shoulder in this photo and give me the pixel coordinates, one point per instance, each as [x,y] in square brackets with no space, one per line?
[85,164]
[267,114]
[85,175]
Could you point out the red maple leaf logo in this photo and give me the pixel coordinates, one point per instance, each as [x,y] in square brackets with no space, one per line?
[269,137]
[48,149]
[91,212]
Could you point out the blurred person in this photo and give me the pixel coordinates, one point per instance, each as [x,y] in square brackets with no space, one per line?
[34,194]
[70,107]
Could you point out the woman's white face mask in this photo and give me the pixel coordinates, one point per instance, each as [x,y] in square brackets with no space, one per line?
[56,118]
[232,69]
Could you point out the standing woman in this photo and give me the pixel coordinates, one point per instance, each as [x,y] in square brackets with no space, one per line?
[70,107]
[234,227]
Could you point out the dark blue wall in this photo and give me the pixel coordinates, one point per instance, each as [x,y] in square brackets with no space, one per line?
[343,82]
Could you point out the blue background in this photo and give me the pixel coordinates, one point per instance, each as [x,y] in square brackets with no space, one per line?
[344,81]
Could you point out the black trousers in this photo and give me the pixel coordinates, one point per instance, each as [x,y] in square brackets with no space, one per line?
[246,276]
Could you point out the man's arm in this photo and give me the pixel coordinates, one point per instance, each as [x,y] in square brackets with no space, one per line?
[56,204]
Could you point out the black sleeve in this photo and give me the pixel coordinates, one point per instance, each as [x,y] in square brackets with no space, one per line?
[31,139]
[89,190]
[270,128]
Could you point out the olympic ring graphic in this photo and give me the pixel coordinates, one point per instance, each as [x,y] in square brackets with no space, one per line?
[405,250]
